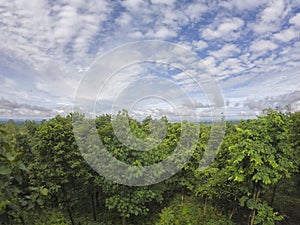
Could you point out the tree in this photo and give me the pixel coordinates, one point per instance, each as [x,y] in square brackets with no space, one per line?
[58,164]
[295,134]
[213,184]
[260,156]
[16,196]
[127,200]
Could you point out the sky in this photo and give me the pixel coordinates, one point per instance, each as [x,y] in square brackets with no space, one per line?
[48,49]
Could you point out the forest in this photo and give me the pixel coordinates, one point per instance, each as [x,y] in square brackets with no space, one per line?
[254,178]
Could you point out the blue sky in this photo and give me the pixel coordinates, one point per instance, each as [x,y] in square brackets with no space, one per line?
[251,48]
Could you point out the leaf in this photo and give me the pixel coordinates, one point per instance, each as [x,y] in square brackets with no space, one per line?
[239,178]
[10,156]
[34,196]
[5,170]
[44,191]
[243,200]
[19,178]
[5,145]
[40,201]
[23,203]
[22,166]
[30,205]
[4,184]
[13,207]
[251,204]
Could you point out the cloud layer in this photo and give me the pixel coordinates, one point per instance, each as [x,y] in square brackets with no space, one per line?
[251,48]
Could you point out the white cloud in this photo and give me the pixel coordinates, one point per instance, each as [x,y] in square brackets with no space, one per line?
[226,51]
[133,5]
[9,83]
[262,28]
[181,76]
[295,20]
[65,24]
[287,35]
[228,29]
[242,5]
[143,20]
[200,45]
[124,19]
[161,33]
[210,62]
[136,35]
[273,12]
[40,31]
[231,66]
[262,46]
[167,2]
[174,18]
[195,11]
[271,17]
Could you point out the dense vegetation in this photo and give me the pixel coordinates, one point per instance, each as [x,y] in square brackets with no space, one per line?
[253,180]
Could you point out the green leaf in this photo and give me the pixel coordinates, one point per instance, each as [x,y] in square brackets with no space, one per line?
[13,207]
[34,196]
[40,201]
[239,178]
[44,191]
[30,205]
[5,145]
[19,178]
[10,156]
[243,200]
[251,204]
[22,166]
[5,170]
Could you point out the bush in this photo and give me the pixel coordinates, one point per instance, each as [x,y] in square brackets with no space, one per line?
[191,212]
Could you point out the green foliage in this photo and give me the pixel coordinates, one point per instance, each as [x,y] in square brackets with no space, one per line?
[44,178]
[191,212]
[261,155]
[167,217]
[52,217]
[265,213]
[16,195]
[295,135]
[11,170]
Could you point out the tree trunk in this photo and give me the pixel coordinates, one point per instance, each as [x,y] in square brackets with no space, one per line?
[66,200]
[252,217]
[232,212]
[93,205]
[273,195]
[182,197]
[124,220]
[205,205]
[70,214]
[97,200]
[256,194]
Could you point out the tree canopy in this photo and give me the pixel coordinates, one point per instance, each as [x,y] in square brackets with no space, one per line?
[45,178]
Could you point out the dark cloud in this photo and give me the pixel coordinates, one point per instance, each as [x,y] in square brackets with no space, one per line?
[195,104]
[272,102]
[227,103]
[12,109]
